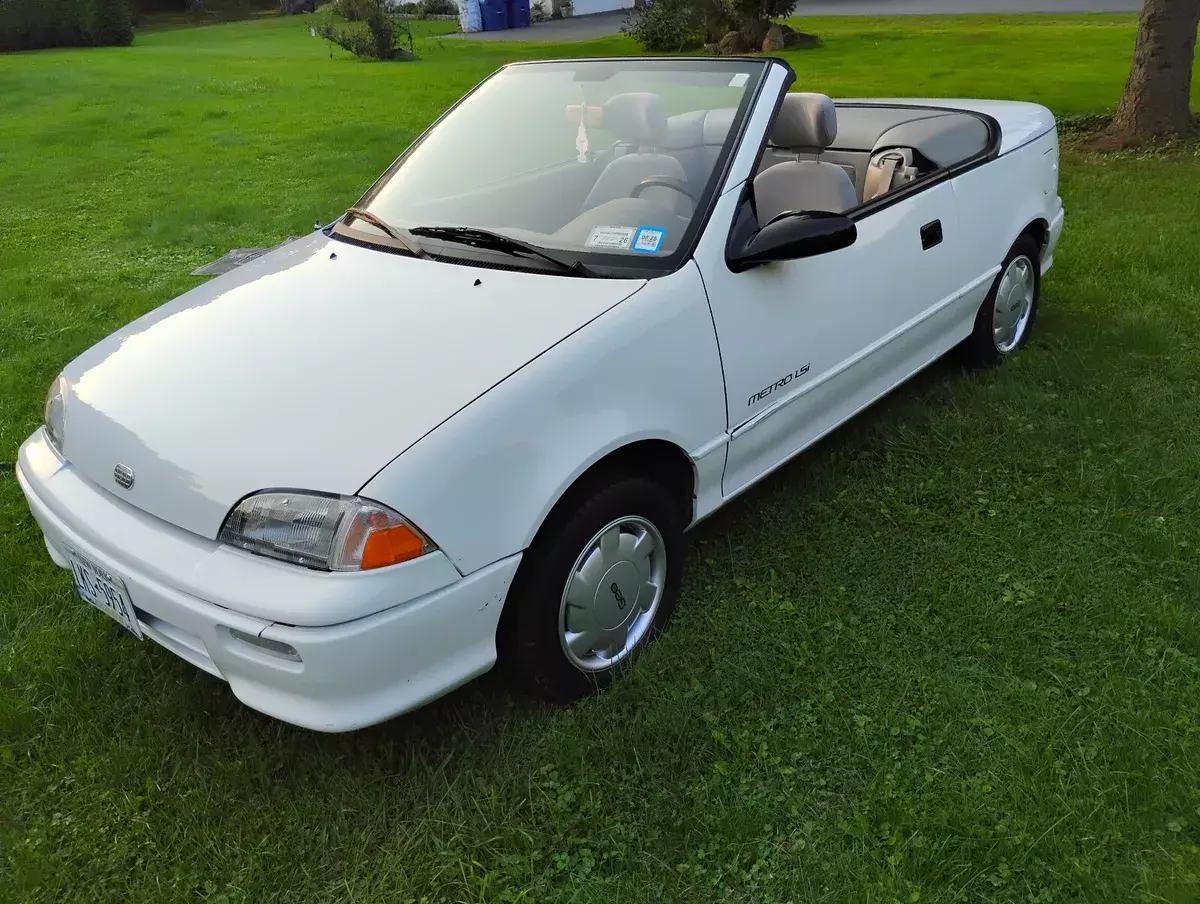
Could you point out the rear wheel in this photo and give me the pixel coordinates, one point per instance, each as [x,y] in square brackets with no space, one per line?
[1005,319]
[597,585]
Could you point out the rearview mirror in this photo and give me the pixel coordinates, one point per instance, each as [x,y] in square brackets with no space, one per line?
[588,115]
[787,237]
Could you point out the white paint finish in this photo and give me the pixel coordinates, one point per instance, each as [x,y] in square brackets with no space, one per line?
[350,675]
[1020,122]
[302,371]
[181,565]
[1050,168]
[923,343]
[713,445]
[647,369]
[992,213]
[473,409]
[369,670]
[1056,228]
[818,325]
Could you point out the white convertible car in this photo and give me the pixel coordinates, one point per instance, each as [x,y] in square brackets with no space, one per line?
[471,420]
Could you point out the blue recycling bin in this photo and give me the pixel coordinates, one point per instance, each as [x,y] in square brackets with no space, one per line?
[495,14]
[518,14]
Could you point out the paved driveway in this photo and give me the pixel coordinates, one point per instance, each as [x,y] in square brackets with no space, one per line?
[577,28]
[600,25]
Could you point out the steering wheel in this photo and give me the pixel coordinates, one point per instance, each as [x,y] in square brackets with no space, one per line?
[665,182]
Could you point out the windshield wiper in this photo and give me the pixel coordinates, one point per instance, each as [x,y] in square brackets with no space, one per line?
[400,235]
[496,241]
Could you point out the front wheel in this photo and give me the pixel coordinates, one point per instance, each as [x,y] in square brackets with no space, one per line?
[1005,319]
[597,585]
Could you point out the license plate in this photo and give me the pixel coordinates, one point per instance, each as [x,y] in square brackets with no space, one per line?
[103,590]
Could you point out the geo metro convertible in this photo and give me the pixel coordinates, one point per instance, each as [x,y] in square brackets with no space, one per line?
[471,420]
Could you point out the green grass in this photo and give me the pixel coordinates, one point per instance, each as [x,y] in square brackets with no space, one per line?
[952,653]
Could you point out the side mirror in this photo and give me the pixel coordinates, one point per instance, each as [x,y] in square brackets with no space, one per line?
[787,237]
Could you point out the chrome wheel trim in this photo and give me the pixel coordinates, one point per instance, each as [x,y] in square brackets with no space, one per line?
[1013,308]
[612,594]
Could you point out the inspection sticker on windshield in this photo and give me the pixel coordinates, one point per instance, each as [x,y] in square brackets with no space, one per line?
[613,238]
[739,80]
[648,239]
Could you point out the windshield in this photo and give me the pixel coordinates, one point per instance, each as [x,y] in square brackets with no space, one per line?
[611,161]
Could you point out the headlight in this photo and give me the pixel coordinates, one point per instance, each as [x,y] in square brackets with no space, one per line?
[334,533]
[56,404]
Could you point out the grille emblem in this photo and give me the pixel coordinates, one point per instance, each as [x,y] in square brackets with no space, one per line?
[123,475]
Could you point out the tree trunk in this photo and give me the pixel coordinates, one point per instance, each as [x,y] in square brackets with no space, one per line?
[1156,98]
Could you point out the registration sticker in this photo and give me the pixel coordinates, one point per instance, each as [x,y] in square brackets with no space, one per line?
[739,80]
[648,239]
[610,238]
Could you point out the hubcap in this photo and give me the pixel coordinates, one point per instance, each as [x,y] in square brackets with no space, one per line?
[1014,305]
[612,594]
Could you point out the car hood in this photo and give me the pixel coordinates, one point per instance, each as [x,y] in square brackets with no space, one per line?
[309,368]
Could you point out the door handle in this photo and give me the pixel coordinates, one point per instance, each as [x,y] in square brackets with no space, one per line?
[931,234]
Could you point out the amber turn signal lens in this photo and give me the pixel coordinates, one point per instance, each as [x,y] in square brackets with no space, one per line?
[391,545]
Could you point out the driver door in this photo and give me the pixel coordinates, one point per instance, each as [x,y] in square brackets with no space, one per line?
[807,343]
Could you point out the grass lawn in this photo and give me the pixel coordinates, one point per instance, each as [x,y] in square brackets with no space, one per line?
[952,653]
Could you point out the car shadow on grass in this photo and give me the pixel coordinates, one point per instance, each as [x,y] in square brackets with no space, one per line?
[476,714]
[861,438]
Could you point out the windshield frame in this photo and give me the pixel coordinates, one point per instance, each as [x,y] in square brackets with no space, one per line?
[603,264]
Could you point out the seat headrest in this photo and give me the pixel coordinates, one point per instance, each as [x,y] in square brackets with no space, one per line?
[636,117]
[805,121]
[717,123]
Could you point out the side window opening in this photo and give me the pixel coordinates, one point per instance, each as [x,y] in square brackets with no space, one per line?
[879,148]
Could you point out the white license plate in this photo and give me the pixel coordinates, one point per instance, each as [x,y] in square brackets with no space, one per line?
[103,590]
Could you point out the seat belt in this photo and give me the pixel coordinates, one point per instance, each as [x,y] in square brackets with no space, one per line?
[880,175]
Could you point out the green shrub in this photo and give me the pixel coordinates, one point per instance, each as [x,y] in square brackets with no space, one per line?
[352,10]
[110,23]
[666,25]
[383,35]
[35,24]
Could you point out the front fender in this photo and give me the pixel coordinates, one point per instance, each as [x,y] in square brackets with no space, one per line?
[481,484]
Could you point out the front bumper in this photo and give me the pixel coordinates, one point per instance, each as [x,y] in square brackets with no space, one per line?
[428,630]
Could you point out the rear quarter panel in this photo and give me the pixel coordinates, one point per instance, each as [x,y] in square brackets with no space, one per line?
[481,484]
[998,200]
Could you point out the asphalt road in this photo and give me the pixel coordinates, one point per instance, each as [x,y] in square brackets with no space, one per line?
[584,28]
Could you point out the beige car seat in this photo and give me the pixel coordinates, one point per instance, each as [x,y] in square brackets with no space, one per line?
[807,123]
[640,119]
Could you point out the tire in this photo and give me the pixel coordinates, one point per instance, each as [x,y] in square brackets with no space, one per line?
[992,341]
[580,580]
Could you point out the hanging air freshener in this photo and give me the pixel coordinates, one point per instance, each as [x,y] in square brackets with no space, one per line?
[581,136]
[581,140]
